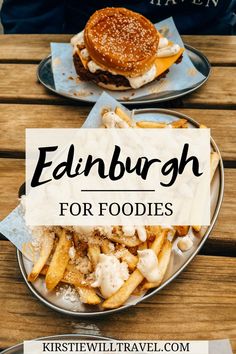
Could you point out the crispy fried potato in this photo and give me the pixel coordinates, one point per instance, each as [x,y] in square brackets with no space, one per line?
[117,299]
[181,230]
[196,228]
[202,126]
[45,251]
[59,262]
[147,124]
[71,276]
[28,250]
[129,258]
[159,241]
[163,262]
[88,295]
[120,296]
[179,123]
[93,254]
[44,269]
[171,234]
[143,246]
[129,241]
[105,247]
[123,115]
[152,231]
[214,163]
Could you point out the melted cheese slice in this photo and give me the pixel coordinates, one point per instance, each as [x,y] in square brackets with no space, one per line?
[83,61]
[162,64]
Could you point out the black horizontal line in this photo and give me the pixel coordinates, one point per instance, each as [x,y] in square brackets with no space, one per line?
[117,190]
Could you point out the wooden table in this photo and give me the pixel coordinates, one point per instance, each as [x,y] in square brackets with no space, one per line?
[199,304]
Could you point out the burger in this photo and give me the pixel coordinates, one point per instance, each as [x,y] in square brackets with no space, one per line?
[120,50]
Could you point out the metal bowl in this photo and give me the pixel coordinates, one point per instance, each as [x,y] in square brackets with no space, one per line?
[178,261]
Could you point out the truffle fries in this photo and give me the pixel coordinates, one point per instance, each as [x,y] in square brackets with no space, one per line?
[119,298]
[181,231]
[45,251]
[62,266]
[107,265]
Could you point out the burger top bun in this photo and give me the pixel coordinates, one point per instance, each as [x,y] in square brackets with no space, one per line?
[122,41]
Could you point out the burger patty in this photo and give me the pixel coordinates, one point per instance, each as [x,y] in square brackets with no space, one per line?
[104,76]
[100,76]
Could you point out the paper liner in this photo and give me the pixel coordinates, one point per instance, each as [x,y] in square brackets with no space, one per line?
[180,76]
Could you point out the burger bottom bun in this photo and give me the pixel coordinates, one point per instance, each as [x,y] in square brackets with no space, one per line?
[113,87]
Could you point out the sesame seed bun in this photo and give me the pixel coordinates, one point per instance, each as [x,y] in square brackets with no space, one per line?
[122,41]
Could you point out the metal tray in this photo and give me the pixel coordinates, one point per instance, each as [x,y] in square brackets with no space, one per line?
[178,261]
[18,349]
[45,76]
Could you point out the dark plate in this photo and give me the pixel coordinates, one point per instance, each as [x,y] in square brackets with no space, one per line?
[199,60]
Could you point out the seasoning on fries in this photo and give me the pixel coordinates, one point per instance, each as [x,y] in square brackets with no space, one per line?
[107,265]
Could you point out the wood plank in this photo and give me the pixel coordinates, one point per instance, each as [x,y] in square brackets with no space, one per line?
[199,304]
[221,122]
[28,48]
[220,50]
[222,125]
[19,85]
[224,229]
[33,48]
[218,91]
[222,239]
[35,116]
[12,176]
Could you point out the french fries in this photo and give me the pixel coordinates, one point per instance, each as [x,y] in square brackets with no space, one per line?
[93,254]
[147,124]
[163,262]
[214,161]
[88,295]
[117,299]
[46,249]
[105,247]
[74,260]
[159,241]
[72,276]
[181,230]
[196,228]
[125,240]
[129,258]
[59,262]
[124,116]
[143,246]
[180,123]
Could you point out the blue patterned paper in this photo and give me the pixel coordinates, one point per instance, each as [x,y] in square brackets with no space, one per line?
[13,227]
